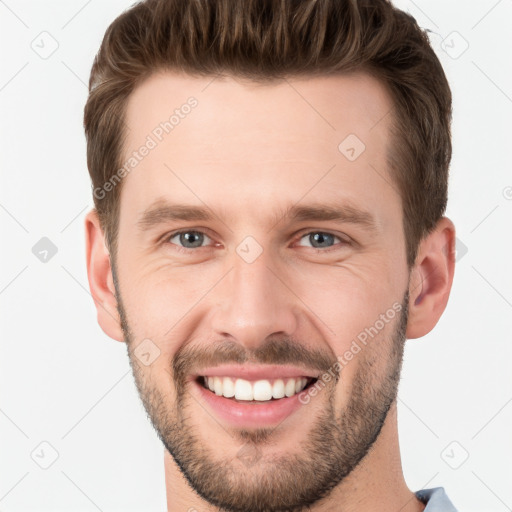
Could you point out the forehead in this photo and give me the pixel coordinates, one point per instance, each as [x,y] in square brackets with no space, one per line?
[314,108]
[246,145]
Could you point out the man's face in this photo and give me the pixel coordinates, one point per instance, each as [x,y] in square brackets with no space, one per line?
[255,288]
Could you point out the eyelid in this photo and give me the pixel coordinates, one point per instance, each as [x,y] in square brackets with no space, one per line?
[344,239]
[172,234]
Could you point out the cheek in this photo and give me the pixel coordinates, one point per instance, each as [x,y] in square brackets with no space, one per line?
[157,298]
[169,304]
[165,307]
[346,299]
[340,300]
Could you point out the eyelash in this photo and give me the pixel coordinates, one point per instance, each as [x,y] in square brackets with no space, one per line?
[186,250]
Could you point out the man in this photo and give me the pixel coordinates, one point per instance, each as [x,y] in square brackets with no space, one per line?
[270,179]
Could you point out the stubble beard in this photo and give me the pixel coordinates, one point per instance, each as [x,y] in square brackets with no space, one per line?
[331,450]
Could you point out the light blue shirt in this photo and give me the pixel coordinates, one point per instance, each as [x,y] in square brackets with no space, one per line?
[436,500]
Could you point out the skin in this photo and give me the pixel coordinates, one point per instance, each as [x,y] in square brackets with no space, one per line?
[247,152]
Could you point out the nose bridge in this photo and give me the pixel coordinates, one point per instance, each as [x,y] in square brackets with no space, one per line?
[254,303]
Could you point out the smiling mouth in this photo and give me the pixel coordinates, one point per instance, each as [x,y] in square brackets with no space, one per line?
[255,392]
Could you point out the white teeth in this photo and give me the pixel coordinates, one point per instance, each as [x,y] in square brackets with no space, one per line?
[228,387]
[243,390]
[278,389]
[289,389]
[261,390]
[217,385]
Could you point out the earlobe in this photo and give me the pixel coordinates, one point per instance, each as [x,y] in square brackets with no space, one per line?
[431,279]
[100,278]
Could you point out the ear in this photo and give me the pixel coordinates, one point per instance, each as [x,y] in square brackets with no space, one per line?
[101,282]
[431,279]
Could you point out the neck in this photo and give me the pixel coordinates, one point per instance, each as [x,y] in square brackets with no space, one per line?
[376,485]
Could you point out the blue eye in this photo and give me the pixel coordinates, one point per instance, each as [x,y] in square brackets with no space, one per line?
[189,239]
[319,239]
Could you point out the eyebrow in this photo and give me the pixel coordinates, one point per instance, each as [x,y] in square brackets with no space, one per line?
[162,211]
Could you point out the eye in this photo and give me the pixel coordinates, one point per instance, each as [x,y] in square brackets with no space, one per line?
[322,241]
[188,239]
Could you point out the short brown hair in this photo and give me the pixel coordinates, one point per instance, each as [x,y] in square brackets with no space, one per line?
[264,40]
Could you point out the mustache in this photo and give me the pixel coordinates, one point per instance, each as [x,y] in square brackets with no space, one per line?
[279,351]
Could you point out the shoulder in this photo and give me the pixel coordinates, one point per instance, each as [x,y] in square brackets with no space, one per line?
[436,500]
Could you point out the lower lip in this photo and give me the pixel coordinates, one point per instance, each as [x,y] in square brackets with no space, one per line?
[254,414]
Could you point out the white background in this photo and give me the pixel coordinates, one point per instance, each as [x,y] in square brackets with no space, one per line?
[65,383]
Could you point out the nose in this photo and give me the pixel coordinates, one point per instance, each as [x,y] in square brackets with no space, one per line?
[255,303]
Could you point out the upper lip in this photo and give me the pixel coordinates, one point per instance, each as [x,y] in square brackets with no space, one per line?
[256,372]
